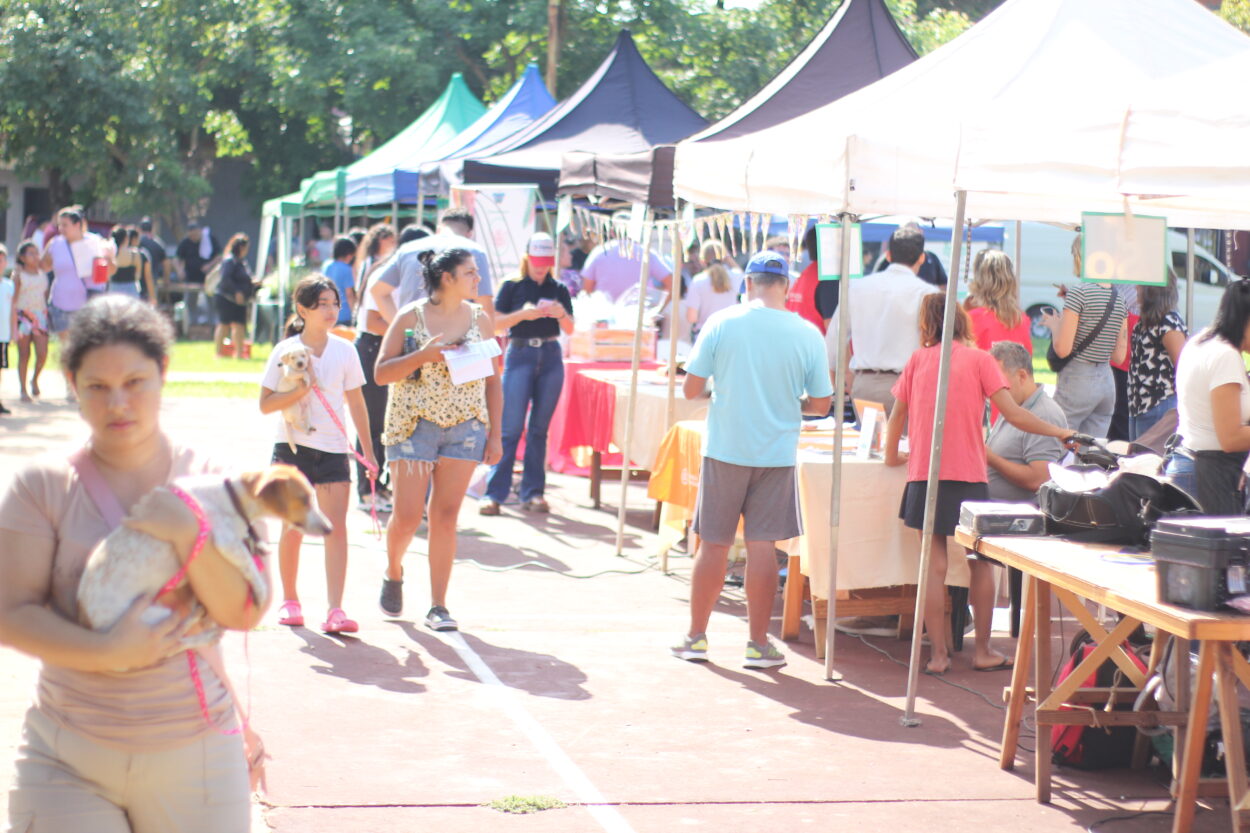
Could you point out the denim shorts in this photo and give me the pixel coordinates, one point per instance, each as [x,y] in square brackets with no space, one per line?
[429,441]
[320,467]
[59,318]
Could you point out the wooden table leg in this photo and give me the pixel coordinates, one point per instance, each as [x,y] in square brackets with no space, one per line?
[1191,758]
[792,608]
[1019,681]
[1230,723]
[1041,684]
[596,477]
[1180,684]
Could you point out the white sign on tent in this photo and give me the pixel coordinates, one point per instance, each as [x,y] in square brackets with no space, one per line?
[829,251]
[503,220]
[1124,248]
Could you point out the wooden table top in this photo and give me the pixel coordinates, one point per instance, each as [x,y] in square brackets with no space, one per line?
[1108,575]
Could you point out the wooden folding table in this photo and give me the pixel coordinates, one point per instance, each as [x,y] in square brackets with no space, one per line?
[1105,575]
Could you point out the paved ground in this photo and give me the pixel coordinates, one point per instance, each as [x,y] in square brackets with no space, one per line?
[561,686]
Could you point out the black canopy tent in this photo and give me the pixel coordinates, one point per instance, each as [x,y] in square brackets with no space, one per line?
[622,108]
[861,43]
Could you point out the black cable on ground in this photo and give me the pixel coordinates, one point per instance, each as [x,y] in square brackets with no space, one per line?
[1093,828]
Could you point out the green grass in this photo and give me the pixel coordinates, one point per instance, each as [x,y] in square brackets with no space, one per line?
[1042,373]
[526,804]
[196,357]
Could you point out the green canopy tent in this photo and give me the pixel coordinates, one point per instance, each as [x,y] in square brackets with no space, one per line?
[452,112]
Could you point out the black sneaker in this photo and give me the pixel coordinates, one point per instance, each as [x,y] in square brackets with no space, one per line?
[438,619]
[392,600]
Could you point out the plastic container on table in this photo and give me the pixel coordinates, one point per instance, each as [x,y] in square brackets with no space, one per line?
[1201,562]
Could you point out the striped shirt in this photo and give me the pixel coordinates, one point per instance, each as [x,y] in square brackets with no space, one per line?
[1089,301]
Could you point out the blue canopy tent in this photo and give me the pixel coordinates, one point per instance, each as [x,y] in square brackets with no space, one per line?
[527,102]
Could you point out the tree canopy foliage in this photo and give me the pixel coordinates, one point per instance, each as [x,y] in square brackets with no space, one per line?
[134,103]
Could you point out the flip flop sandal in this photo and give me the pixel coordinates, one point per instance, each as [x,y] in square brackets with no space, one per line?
[1004,664]
[337,622]
[291,614]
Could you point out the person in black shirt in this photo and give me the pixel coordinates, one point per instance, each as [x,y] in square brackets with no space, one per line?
[155,247]
[195,267]
[534,308]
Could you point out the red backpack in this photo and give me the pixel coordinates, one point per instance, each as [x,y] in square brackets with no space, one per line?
[1091,747]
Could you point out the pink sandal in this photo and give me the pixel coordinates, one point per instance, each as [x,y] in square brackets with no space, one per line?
[291,614]
[337,622]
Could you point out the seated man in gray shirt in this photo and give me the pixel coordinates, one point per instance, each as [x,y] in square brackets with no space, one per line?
[402,279]
[1018,466]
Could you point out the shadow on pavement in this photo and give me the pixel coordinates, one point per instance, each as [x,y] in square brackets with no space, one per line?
[841,709]
[494,554]
[541,675]
[359,662]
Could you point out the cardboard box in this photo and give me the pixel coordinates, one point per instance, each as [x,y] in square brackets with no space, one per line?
[610,345]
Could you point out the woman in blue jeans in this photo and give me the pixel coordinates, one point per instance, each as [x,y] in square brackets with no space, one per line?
[534,308]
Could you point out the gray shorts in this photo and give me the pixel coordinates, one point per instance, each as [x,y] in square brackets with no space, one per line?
[766,499]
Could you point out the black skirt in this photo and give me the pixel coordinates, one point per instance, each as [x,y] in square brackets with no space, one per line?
[228,312]
[951,495]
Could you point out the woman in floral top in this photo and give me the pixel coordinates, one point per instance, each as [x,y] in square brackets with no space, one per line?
[436,431]
[1156,345]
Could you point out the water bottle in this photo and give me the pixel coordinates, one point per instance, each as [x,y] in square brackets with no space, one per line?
[411,346]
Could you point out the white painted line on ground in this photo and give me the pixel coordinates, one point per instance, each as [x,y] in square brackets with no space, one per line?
[587,793]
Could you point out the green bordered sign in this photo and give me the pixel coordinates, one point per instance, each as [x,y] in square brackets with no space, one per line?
[1124,248]
[829,251]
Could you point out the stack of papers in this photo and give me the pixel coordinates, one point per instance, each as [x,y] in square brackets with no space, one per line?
[470,362]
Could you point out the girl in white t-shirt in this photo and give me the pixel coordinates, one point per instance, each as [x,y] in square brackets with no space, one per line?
[321,454]
[1213,400]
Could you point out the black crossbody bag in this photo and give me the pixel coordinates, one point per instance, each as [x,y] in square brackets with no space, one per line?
[1057,362]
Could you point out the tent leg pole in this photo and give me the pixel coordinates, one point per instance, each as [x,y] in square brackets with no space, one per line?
[395,215]
[1189,280]
[1019,248]
[633,384]
[674,318]
[839,407]
[935,459]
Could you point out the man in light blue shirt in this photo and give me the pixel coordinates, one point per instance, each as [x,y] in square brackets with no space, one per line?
[402,279]
[768,368]
[339,270]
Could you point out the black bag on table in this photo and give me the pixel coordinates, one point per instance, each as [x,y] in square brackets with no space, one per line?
[1122,512]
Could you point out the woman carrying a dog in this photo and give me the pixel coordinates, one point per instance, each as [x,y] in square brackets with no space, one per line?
[322,452]
[436,430]
[117,739]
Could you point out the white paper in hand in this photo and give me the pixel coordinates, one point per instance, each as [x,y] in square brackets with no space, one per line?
[470,362]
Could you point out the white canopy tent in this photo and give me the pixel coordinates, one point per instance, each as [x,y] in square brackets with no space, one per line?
[1069,70]
[1037,91]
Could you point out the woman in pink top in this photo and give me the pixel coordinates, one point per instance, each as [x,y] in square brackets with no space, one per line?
[117,739]
[994,303]
[974,378]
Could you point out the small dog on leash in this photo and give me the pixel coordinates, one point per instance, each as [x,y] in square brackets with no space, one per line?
[138,557]
[296,367]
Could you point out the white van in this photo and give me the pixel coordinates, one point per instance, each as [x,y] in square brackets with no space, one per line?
[1047,261]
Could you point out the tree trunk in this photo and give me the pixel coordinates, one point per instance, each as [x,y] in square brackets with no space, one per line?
[553,44]
[60,194]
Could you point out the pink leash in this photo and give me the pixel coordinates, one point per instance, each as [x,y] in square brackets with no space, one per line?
[360,458]
[201,538]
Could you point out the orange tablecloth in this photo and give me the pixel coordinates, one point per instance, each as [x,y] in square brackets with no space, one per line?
[875,550]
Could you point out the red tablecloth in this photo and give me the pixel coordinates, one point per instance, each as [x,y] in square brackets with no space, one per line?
[583,417]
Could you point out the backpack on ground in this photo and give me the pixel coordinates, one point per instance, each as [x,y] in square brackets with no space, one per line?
[1091,747]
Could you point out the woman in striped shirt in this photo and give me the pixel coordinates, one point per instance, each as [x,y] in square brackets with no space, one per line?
[1091,333]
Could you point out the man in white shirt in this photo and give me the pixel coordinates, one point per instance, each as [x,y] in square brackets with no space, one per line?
[885,319]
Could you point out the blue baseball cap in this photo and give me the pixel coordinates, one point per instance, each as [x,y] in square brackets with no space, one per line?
[768,262]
